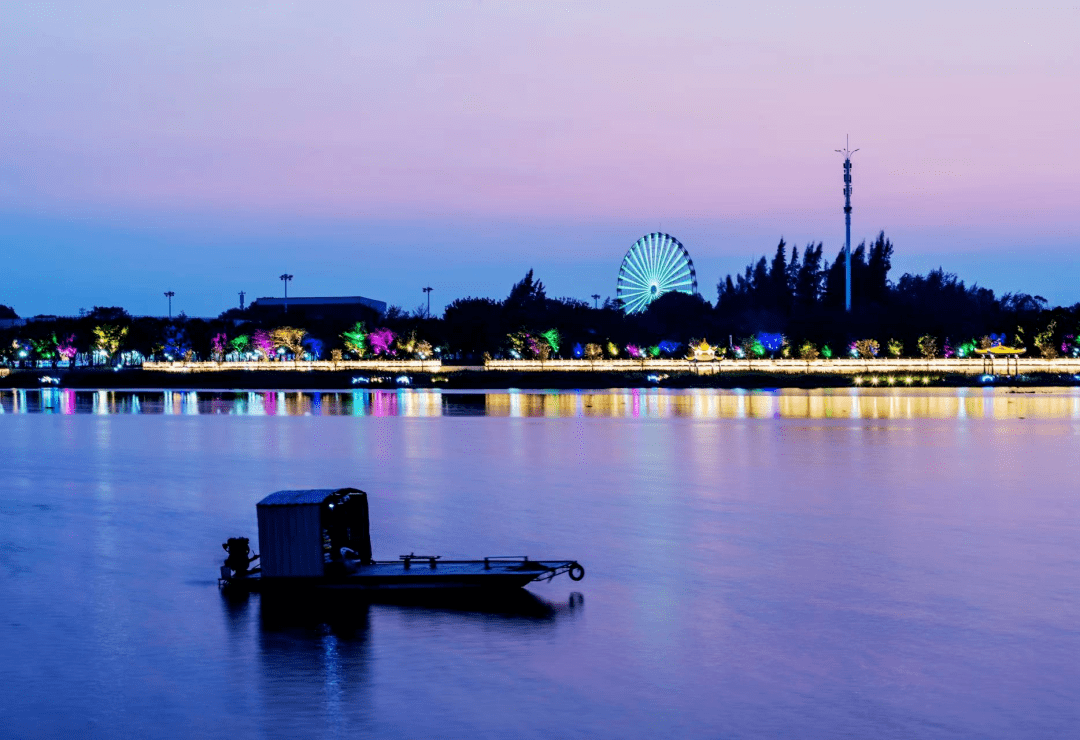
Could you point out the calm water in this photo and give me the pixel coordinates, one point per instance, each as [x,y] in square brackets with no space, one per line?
[844,564]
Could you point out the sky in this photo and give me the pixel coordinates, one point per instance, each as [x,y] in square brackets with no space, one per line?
[378,148]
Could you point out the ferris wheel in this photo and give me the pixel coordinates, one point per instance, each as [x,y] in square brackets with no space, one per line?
[656,264]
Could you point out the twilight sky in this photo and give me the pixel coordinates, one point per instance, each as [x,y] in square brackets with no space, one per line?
[375,148]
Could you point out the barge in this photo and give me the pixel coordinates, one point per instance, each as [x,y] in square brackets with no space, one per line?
[320,539]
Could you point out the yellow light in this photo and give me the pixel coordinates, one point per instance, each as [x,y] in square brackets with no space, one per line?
[891,380]
[874,380]
[858,380]
[925,380]
[908,380]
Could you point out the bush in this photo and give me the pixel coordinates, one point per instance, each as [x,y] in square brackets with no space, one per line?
[928,346]
[808,351]
[867,348]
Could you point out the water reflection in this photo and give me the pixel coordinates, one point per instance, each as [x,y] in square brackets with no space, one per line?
[638,403]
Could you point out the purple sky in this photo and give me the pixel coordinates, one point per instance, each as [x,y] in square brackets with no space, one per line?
[374,149]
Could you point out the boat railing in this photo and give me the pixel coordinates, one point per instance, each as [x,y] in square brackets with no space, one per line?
[407,559]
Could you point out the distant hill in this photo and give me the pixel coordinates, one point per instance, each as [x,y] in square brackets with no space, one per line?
[7,312]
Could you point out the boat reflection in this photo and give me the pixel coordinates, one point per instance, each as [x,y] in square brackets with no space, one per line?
[638,403]
[348,613]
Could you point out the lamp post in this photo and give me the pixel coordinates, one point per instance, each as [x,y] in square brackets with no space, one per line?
[595,300]
[285,279]
[169,294]
[428,291]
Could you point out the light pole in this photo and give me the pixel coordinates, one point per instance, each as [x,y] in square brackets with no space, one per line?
[428,291]
[169,294]
[242,294]
[596,300]
[285,279]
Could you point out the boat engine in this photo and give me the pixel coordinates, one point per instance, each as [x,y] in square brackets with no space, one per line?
[240,557]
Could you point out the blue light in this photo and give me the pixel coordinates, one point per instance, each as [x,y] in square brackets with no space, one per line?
[579,351]
[771,341]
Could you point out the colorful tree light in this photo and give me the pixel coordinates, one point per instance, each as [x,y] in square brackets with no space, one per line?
[263,344]
[668,347]
[356,339]
[66,347]
[381,340]
[578,351]
[771,342]
[219,343]
[313,346]
[108,338]
[808,351]
[289,338]
[867,348]
[553,338]
[928,346]
[176,342]
[44,347]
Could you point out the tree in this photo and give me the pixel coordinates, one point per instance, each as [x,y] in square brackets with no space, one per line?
[240,344]
[877,269]
[808,282]
[109,338]
[263,343]
[219,345]
[289,337]
[176,342]
[356,339]
[778,294]
[473,326]
[381,341]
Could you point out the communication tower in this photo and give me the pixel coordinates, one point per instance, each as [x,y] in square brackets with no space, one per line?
[847,151]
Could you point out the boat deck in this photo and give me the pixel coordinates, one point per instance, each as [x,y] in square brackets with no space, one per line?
[415,572]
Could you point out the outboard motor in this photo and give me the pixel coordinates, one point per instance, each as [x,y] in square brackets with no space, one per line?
[240,556]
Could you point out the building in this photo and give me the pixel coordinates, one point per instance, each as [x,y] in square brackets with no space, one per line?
[352,308]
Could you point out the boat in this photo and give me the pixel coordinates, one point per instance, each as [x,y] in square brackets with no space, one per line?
[320,539]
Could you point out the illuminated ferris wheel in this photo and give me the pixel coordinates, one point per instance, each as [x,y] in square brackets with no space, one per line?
[656,264]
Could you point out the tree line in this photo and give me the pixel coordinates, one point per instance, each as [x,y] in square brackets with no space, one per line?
[791,304]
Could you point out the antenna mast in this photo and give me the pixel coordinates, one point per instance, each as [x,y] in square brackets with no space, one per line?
[847,151]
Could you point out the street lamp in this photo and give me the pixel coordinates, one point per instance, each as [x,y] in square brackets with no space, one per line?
[285,279]
[169,294]
[428,291]
[596,300]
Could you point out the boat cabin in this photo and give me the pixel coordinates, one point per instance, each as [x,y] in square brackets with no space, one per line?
[301,533]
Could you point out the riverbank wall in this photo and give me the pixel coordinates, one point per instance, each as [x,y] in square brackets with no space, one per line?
[556,374]
[952,366]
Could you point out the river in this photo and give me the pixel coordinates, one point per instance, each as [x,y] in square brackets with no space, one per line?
[885,563]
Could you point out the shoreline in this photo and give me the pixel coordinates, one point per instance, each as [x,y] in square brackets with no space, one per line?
[137,379]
